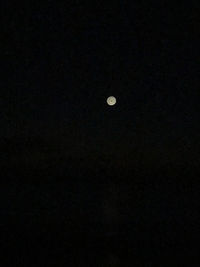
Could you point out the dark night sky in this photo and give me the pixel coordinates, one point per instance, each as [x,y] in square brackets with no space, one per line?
[62,61]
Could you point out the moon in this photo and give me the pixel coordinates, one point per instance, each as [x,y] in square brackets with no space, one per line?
[111,100]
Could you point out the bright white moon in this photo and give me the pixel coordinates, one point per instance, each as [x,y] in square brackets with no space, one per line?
[111,100]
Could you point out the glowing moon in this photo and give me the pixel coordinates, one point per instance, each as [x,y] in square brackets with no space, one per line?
[111,100]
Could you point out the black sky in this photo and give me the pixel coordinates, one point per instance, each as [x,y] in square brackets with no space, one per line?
[60,63]
[64,60]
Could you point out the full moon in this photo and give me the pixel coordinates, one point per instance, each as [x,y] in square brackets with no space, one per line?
[111,100]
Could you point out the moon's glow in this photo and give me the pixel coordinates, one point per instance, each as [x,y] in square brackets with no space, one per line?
[111,100]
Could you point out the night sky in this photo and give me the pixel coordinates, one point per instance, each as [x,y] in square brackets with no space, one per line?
[74,167]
